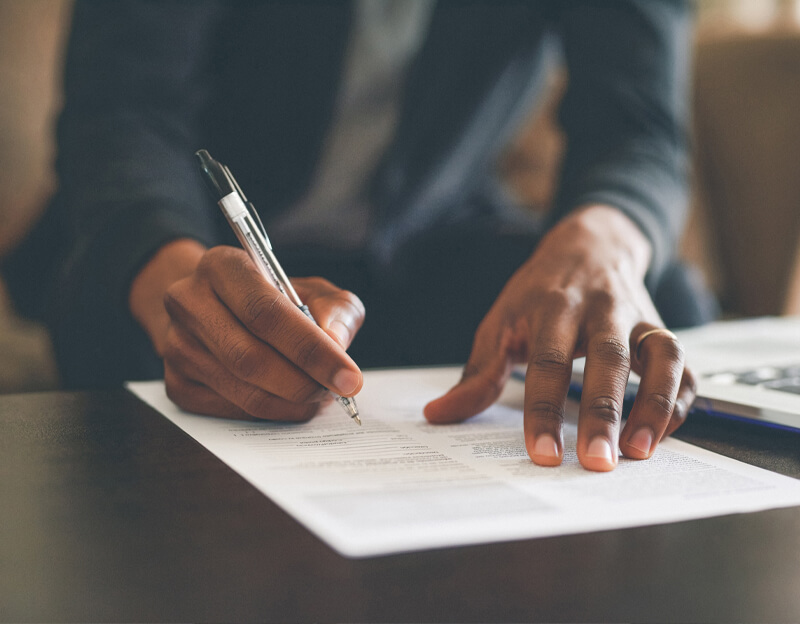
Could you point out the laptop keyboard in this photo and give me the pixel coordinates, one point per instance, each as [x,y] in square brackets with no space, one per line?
[783,379]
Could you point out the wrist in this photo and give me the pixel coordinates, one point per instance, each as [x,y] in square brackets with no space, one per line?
[172,262]
[619,234]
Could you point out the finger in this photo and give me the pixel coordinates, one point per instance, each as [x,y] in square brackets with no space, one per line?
[554,337]
[338,312]
[198,399]
[232,346]
[188,359]
[605,377]
[274,319]
[483,379]
[687,391]
[658,359]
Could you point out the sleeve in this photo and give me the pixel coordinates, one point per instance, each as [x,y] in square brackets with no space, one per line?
[625,114]
[135,79]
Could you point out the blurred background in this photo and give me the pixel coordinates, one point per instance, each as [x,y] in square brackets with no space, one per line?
[744,229]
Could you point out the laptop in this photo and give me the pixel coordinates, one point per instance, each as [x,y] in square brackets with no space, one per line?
[745,369]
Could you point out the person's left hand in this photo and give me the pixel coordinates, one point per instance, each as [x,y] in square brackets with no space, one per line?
[581,293]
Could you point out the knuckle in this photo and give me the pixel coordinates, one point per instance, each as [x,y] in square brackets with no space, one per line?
[662,403]
[556,300]
[550,360]
[606,408]
[245,359]
[672,347]
[611,350]
[308,350]
[260,307]
[547,411]
[601,300]
[174,303]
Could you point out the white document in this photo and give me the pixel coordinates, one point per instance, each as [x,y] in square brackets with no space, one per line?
[400,484]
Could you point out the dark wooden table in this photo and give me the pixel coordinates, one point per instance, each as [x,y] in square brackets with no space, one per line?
[110,513]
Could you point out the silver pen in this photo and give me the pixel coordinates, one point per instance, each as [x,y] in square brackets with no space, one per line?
[246,224]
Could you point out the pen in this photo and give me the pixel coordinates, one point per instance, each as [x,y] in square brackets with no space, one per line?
[246,223]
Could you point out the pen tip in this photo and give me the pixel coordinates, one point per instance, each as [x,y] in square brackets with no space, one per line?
[357,419]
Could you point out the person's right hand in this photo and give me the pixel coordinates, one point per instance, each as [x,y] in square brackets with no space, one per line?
[235,346]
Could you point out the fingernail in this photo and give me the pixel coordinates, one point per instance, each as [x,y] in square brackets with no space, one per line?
[642,440]
[346,381]
[341,332]
[600,448]
[545,446]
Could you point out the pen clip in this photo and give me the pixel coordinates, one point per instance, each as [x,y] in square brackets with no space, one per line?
[233,182]
[250,207]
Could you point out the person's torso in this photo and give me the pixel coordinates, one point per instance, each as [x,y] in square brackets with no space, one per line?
[278,85]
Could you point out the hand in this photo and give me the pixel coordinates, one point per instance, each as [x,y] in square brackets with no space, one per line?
[581,293]
[234,345]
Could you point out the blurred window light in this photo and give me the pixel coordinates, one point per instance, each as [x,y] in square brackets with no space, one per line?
[754,14]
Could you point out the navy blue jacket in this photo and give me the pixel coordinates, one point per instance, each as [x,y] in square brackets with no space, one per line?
[149,83]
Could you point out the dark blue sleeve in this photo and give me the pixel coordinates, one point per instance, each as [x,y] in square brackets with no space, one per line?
[625,114]
[135,79]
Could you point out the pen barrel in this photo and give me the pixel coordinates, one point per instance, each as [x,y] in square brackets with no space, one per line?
[257,252]
[283,279]
[304,309]
[251,234]
[255,242]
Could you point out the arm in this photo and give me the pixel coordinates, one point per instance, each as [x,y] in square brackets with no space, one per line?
[134,80]
[625,115]
[583,290]
[142,283]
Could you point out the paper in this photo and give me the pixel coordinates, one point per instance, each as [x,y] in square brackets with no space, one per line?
[400,484]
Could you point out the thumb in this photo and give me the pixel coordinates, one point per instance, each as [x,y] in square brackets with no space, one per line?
[484,378]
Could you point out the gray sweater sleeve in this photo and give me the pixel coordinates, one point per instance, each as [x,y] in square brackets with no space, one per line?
[625,114]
